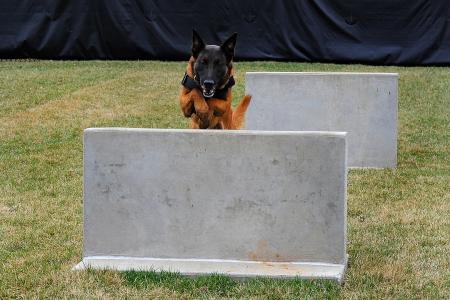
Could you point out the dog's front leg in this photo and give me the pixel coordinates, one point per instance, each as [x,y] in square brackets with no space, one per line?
[202,110]
[194,106]
[200,105]
[186,103]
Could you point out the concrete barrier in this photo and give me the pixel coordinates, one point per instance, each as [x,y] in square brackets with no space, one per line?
[362,104]
[242,203]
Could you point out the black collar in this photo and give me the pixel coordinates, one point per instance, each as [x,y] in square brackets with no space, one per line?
[191,84]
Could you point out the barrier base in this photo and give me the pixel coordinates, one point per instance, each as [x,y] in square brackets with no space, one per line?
[233,268]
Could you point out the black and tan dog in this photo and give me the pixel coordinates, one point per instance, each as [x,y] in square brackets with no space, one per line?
[206,94]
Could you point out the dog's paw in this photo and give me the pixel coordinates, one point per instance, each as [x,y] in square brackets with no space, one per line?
[203,116]
[199,123]
[203,124]
[202,111]
[201,107]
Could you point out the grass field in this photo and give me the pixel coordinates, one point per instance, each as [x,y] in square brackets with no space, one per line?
[399,220]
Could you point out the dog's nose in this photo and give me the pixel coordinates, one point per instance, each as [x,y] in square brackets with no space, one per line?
[209,84]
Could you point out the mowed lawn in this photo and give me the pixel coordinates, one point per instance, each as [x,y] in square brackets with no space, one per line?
[398,219]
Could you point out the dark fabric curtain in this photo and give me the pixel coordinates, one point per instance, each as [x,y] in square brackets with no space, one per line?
[401,32]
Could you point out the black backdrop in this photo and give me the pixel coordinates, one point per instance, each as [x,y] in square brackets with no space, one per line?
[406,32]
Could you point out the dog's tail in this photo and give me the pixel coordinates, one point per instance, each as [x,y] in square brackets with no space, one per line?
[239,112]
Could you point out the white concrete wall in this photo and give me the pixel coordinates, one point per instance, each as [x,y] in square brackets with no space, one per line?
[362,104]
[216,201]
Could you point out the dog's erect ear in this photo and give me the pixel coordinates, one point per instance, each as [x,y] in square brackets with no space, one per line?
[228,46]
[197,44]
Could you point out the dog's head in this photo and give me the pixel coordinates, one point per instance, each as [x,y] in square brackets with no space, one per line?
[212,63]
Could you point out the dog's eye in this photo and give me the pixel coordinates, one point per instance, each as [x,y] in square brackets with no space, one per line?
[204,61]
[216,62]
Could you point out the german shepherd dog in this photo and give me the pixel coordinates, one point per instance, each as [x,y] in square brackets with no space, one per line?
[206,93]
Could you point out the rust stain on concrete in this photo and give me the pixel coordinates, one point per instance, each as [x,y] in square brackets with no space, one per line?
[265,253]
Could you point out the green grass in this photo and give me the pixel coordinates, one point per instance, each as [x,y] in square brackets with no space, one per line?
[398,220]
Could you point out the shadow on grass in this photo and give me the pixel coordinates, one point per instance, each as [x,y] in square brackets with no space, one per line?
[223,286]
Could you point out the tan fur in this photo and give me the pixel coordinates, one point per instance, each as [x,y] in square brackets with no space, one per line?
[212,113]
